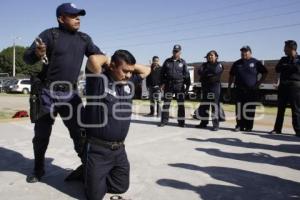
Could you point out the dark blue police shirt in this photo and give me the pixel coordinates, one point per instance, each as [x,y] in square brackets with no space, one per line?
[289,69]
[66,59]
[118,103]
[246,72]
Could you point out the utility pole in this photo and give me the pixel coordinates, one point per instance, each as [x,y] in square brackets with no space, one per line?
[14,55]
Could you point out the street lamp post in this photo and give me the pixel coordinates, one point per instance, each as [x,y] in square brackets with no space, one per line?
[14,55]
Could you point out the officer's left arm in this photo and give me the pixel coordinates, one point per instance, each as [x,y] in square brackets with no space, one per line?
[91,48]
[142,70]
[95,63]
[263,71]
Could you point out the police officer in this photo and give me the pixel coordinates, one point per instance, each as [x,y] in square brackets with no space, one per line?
[244,73]
[107,121]
[289,87]
[175,78]
[153,83]
[62,50]
[210,75]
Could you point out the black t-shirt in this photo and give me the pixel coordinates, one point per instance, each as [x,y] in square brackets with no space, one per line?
[109,107]
[246,72]
[154,79]
[65,51]
[289,69]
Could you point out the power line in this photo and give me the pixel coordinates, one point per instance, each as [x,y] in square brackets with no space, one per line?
[212,25]
[188,15]
[209,18]
[210,36]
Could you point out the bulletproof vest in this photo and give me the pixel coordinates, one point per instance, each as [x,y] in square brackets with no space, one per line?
[175,70]
[290,69]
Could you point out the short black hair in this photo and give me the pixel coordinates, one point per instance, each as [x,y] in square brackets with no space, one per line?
[155,57]
[291,43]
[123,55]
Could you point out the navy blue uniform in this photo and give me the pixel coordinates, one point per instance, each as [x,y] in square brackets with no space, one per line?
[246,77]
[211,88]
[153,82]
[174,76]
[288,92]
[107,119]
[65,51]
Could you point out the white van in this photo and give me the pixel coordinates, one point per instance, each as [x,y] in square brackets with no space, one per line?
[20,85]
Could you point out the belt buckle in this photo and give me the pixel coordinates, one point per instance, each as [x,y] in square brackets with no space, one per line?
[115,146]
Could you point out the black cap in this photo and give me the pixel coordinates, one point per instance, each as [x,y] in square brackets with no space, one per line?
[69,8]
[246,48]
[291,43]
[177,47]
[212,51]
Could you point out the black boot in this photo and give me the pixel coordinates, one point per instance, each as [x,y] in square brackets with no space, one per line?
[76,175]
[35,176]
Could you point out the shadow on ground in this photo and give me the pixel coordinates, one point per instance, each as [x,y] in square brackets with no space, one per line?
[12,161]
[247,185]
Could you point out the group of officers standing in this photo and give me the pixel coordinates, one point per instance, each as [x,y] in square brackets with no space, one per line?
[99,137]
[247,74]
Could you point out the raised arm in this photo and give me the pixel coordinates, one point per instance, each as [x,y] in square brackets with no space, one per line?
[95,63]
[142,70]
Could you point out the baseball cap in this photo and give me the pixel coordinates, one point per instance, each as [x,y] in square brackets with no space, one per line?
[177,47]
[291,43]
[246,48]
[69,8]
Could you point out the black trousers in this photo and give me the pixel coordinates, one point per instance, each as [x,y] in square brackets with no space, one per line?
[170,90]
[106,171]
[155,100]
[288,94]
[43,128]
[210,99]
[246,101]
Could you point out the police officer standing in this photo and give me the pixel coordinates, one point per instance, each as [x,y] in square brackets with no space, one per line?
[289,87]
[210,75]
[153,83]
[62,49]
[107,121]
[244,73]
[175,79]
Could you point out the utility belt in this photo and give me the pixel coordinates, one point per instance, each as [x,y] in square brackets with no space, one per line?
[106,144]
[60,86]
[176,81]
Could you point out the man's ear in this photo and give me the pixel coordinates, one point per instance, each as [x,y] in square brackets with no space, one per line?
[60,19]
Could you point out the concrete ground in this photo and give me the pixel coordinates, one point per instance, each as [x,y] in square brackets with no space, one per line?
[166,163]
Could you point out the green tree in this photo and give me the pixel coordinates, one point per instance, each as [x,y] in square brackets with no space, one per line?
[6,62]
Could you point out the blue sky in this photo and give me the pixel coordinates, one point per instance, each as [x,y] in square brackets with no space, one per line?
[148,28]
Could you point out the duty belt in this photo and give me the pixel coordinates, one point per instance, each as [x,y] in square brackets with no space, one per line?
[110,145]
[61,87]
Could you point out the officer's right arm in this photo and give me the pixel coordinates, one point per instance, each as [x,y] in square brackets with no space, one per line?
[35,52]
[163,75]
[95,63]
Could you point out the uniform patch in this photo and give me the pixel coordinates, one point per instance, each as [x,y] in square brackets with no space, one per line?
[180,65]
[127,89]
[111,92]
[252,65]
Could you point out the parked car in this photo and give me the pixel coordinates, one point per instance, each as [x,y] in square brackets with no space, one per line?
[7,83]
[1,85]
[20,86]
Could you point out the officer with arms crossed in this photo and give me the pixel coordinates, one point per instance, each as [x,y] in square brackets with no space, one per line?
[289,87]
[210,75]
[65,48]
[244,73]
[107,121]
[175,80]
